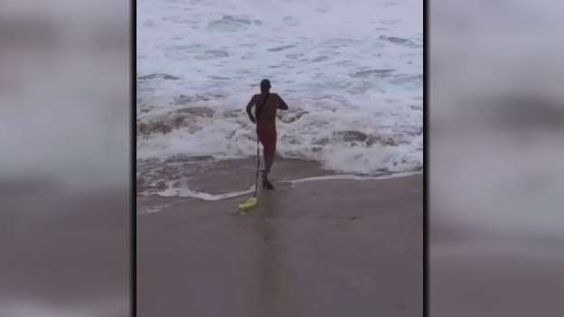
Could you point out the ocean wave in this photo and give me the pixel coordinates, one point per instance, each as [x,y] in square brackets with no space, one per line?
[401,41]
[355,91]
[158,76]
[323,134]
[229,23]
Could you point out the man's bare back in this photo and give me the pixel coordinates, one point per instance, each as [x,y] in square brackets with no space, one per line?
[267,110]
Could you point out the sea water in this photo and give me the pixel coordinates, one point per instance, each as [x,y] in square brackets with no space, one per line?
[350,71]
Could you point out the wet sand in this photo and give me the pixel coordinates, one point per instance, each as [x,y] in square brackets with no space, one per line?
[322,248]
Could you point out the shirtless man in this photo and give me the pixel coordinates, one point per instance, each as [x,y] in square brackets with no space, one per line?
[265,113]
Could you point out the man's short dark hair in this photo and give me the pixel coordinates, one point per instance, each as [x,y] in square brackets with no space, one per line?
[265,85]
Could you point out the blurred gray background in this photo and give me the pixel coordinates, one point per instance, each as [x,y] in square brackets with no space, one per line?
[64,162]
[496,143]
[496,147]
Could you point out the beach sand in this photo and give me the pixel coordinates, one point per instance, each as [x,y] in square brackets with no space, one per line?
[319,248]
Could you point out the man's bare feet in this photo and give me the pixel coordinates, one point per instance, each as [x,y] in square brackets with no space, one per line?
[265,183]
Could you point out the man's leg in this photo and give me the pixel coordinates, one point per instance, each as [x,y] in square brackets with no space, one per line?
[268,160]
[269,149]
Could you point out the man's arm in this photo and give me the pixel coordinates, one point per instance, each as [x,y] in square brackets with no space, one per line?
[281,103]
[250,107]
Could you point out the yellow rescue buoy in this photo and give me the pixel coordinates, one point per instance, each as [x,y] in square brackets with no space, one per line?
[249,204]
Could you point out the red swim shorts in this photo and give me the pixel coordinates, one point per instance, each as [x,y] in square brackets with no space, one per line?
[267,138]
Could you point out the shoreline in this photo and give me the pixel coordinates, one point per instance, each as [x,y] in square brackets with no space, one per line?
[184,176]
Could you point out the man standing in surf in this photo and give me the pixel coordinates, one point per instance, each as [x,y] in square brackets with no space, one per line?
[265,118]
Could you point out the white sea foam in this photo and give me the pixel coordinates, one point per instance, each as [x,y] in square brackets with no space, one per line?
[349,177]
[350,71]
[173,190]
